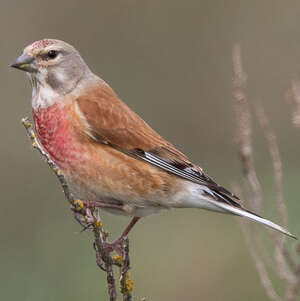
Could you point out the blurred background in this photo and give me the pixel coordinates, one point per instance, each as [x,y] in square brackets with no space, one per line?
[170,61]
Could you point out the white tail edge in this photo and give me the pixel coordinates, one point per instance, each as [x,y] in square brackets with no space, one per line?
[251,216]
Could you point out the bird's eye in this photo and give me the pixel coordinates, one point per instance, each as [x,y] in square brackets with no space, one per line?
[52,54]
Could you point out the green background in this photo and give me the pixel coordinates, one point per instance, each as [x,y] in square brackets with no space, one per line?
[171,61]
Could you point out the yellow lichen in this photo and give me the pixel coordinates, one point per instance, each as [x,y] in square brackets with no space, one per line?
[78,205]
[26,123]
[129,284]
[99,224]
[118,258]
[32,136]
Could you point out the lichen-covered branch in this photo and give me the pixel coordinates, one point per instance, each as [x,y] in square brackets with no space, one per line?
[125,282]
[89,217]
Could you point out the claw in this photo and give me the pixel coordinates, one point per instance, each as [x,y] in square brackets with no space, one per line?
[116,246]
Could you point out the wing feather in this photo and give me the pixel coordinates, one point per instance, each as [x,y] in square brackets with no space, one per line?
[111,122]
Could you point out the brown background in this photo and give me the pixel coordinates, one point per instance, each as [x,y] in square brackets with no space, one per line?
[171,61]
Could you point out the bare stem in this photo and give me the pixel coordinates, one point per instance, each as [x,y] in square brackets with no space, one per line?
[245,149]
[281,263]
[286,268]
[276,161]
[296,103]
[244,132]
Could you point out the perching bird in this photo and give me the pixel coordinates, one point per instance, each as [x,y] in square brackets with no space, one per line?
[107,153]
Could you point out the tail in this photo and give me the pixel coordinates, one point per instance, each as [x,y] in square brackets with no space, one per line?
[228,205]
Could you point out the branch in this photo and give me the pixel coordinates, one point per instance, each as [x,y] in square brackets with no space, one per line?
[279,240]
[125,282]
[244,133]
[287,269]
[244,143]
[90,219]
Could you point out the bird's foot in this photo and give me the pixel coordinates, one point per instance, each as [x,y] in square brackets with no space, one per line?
[83,213]
[79,205]
[117,246]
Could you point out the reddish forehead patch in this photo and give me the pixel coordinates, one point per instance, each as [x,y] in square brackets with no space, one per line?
[41,44]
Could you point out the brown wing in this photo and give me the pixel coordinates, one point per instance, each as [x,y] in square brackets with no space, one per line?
[112,122]
[110,119]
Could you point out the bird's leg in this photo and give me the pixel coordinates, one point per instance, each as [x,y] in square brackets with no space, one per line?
[83,211]
[117,245]
[94,204]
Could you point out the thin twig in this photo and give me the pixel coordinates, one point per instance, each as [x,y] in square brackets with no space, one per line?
[276,161]
[244,133]
[256,255]
[281,263]
[260,266]
[296,101]
[287,269]
[244,143]
[36,144]
[91,217]
[293,289]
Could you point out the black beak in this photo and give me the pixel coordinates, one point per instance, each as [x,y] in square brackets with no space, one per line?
[24,62]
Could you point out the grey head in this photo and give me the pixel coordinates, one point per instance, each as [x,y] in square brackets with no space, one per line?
[53,65]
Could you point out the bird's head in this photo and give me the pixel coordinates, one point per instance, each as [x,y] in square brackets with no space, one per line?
[53,65]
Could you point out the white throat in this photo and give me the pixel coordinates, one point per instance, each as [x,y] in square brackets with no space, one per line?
[43,96]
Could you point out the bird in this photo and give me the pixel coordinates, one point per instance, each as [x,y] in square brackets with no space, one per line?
[107,153]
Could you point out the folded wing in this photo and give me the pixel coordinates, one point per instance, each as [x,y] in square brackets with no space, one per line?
[112,123]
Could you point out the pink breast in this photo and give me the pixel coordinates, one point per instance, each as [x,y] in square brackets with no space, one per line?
[56,134]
